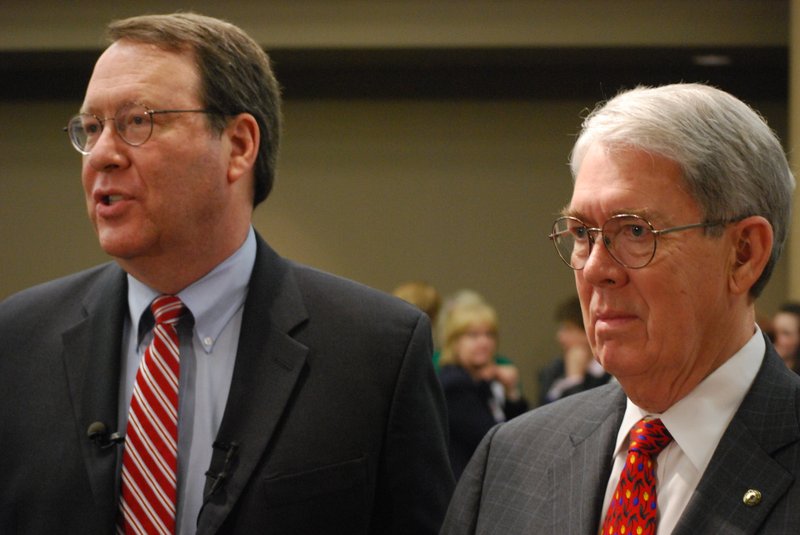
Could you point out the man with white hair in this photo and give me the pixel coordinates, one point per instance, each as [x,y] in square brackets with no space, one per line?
[679,212]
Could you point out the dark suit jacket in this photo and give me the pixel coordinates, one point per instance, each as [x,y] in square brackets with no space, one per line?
[336,409]
[546,471]
[469,415]
[555,370]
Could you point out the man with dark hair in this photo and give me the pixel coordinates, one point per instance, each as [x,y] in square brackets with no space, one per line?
[679,211]
[201,383]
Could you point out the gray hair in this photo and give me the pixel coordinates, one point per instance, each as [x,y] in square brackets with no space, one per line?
[732,162]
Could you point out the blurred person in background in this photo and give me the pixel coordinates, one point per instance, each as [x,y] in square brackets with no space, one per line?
[786,330]
[422,295]
[460,298]
[576,369]
[479,392]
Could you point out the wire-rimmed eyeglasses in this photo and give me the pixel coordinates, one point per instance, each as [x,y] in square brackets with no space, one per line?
[133,122]
[630,239]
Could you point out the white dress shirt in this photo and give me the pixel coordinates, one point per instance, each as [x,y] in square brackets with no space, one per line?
[207,357]
[697,423]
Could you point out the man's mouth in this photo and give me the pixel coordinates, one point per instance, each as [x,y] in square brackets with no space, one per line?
[108,200]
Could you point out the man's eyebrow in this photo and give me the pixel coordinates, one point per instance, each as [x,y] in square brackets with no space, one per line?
[569,212]
[645,213]
[89,110]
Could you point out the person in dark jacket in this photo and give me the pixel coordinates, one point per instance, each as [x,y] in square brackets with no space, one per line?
[479,392]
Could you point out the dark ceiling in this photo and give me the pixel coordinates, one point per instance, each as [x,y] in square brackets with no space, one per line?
[751,73]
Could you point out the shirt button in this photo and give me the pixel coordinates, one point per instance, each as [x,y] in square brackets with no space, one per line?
[208,341]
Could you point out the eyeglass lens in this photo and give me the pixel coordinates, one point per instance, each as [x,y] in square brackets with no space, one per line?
[630,240]
[133,124]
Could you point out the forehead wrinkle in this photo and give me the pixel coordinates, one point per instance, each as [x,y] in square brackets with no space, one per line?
[109,99]
[647,212]
[630,182]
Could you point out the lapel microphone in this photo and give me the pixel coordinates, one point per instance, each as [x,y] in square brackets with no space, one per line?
[218,477]
[98,433]
[219,471]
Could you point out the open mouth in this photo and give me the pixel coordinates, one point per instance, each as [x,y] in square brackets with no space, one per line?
[108,200]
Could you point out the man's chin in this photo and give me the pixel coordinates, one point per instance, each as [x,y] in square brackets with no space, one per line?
[620,362]
[121,248]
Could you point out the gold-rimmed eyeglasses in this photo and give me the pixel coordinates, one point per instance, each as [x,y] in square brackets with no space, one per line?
[133,122]
[630,239]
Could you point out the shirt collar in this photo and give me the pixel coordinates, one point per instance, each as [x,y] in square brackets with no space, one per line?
[213,300]
[698,421]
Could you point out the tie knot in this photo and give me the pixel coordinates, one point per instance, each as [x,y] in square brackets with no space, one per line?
[167,309]
[649,437]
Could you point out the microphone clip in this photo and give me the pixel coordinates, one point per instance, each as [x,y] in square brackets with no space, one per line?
[98,433]
[218,478]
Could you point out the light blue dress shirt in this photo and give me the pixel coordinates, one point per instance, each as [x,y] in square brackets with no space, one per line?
[207,357]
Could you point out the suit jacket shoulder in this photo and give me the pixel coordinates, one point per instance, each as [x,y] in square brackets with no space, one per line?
[349,301]
[60,297]
[59,371]
[336,409]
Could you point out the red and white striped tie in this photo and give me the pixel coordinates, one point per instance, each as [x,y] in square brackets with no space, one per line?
[150,459]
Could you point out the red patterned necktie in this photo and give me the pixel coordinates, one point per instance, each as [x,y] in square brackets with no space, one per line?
[150,459]
[633,509]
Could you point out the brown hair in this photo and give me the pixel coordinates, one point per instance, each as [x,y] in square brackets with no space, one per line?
[570,311]
[422,295]
[235,76]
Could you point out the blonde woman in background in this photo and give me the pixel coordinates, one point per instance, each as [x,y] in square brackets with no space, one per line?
[461,298]
[479,392]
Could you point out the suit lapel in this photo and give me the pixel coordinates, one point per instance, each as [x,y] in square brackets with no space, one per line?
[268,364]
[91,361]
[580,478]
[765,422]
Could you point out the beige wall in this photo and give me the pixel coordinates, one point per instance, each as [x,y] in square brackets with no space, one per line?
[459,193]
[35,24]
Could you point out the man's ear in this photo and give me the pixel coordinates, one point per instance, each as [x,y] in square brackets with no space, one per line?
[244,135]
[752,240]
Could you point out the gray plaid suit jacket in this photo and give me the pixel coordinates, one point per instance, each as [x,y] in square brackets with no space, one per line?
[546,472]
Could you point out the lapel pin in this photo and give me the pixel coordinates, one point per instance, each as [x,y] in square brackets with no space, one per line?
[752,498]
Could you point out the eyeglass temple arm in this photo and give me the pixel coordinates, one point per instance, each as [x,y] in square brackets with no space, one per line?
[686,227]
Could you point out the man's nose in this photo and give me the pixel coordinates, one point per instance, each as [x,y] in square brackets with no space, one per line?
[601,267]
[106,152]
